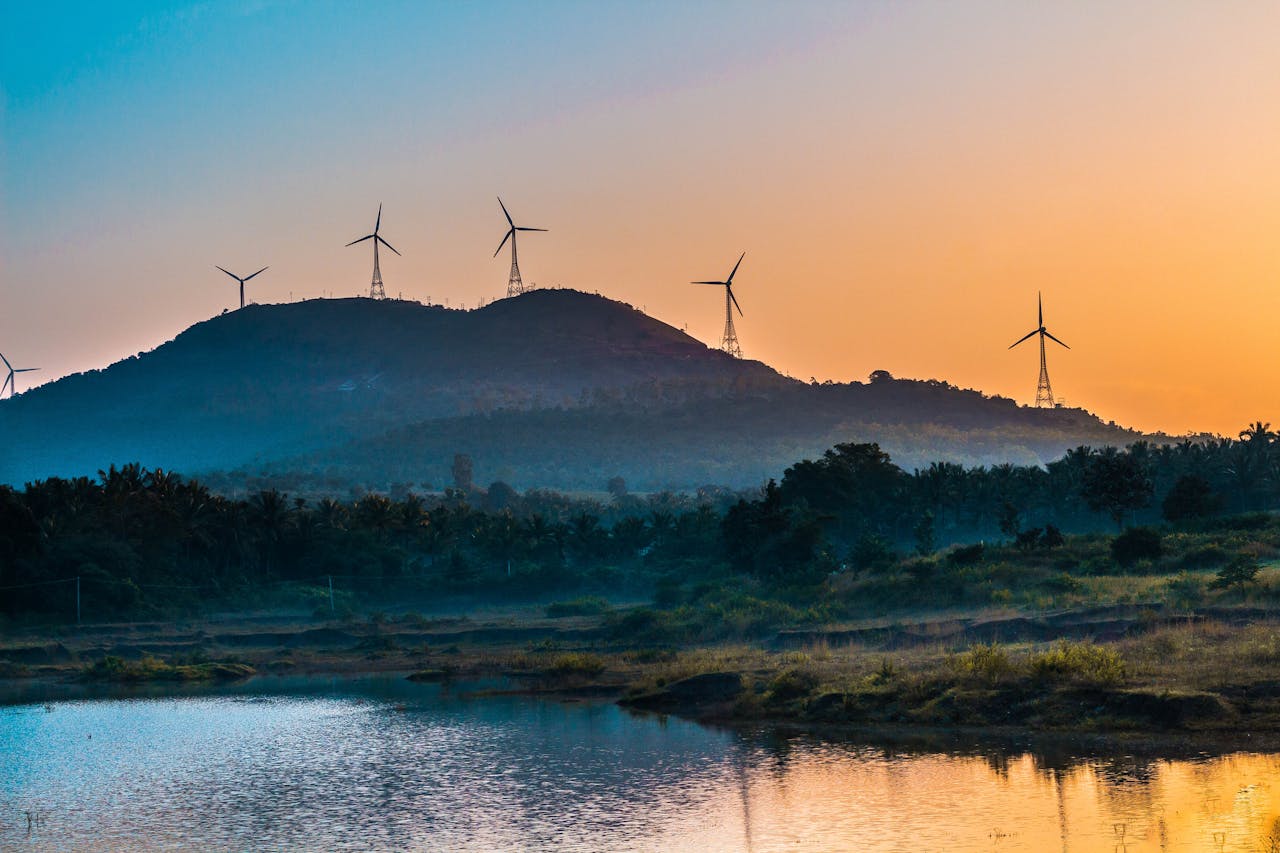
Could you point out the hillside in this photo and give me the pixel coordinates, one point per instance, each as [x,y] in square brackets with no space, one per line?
[273,380]
[553,388]
[738,440]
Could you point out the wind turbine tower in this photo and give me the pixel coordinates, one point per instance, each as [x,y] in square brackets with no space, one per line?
[376,290]
[11,381]
[729,339]
[241,280]
[515,285]
[1044,393]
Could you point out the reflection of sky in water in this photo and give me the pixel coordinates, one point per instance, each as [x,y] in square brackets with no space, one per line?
[390,765]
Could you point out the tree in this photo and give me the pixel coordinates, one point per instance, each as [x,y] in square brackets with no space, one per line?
[924,535]
[617,487]
[500,497]
[1190,498]
[462,472]
[1115,483]
[856,486]
[1010,523]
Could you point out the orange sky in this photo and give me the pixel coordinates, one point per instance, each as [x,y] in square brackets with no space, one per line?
[903,178]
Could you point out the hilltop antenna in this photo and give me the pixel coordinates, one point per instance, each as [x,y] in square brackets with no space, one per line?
[11,381]
[515,285]
[376,290]
[729,338]
[1044,393]
[243,280]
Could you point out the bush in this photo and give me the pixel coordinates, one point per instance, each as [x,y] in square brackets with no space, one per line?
[1240,571]
[587,605]
[577,663]
[1080,663]
[967,555]
[1137,543]
[872,553]
[793,683]
[989,663]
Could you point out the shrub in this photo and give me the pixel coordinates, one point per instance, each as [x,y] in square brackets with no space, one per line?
[587,605]
[1205,557]
[872,553]
[984,662]
[793,683]
[1081,663]
[1062,582]
[1240,571]
[967,555]
[1185,590]
[1137,543]
[577,663]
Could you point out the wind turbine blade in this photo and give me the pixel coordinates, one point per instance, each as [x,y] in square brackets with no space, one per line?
[25,369]
[1055,340]
[721,283]
[735,267]
[735,300]
[504,212]
[228,272]
[388,245]
[362,239]
[1040,308]
[378,224]
[1024,337]
[6,361]
[264,269]
[7,382]
[531,229]
[504,242]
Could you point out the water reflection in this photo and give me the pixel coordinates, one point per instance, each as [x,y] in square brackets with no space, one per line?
[384,764]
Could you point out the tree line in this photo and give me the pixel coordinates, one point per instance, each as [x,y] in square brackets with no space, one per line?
[150,541]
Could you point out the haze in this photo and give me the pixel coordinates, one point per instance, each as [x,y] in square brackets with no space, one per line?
[902,177]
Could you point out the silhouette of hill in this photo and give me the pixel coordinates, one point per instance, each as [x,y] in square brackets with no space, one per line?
[553,388]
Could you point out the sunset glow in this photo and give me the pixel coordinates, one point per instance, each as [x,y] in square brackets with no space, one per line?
[902,177]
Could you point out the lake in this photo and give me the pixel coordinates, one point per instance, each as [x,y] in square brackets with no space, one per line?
[379,763]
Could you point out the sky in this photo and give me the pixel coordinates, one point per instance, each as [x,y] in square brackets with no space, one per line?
[904,177]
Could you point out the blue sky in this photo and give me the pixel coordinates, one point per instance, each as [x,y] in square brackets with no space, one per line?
[902,176]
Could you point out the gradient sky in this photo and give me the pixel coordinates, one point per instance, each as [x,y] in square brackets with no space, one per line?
[902,176]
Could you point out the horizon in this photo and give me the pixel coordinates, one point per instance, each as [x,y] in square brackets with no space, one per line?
[902,179]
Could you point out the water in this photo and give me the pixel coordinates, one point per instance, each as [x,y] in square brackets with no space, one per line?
[382,764]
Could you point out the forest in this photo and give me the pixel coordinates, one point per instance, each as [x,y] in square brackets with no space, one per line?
[140,543]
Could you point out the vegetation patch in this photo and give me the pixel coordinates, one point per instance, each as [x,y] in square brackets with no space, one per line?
[112,668]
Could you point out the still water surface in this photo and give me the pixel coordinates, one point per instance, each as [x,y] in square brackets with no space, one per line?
[382,764]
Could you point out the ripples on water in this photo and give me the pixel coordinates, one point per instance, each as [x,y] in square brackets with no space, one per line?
[387,765]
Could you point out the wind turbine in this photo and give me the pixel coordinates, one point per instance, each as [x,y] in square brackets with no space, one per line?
[11,381]
[1044,394]
[375,288]
[515,285]
[241,280]
[729,340]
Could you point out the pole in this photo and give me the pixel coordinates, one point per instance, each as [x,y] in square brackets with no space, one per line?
[77,601]
[331,609]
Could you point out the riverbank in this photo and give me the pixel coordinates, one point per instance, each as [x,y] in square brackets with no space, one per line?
[1117,672]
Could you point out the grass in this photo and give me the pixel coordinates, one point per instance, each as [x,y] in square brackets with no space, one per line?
[147,669]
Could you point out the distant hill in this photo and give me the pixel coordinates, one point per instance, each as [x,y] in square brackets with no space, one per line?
[553,388]
[738,440]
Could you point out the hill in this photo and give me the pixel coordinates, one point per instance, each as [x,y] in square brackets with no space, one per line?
[553,388]
[736,439]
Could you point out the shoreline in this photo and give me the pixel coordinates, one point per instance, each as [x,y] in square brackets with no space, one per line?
[1201,683]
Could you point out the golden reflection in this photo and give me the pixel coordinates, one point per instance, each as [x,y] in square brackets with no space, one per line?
[830,798]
